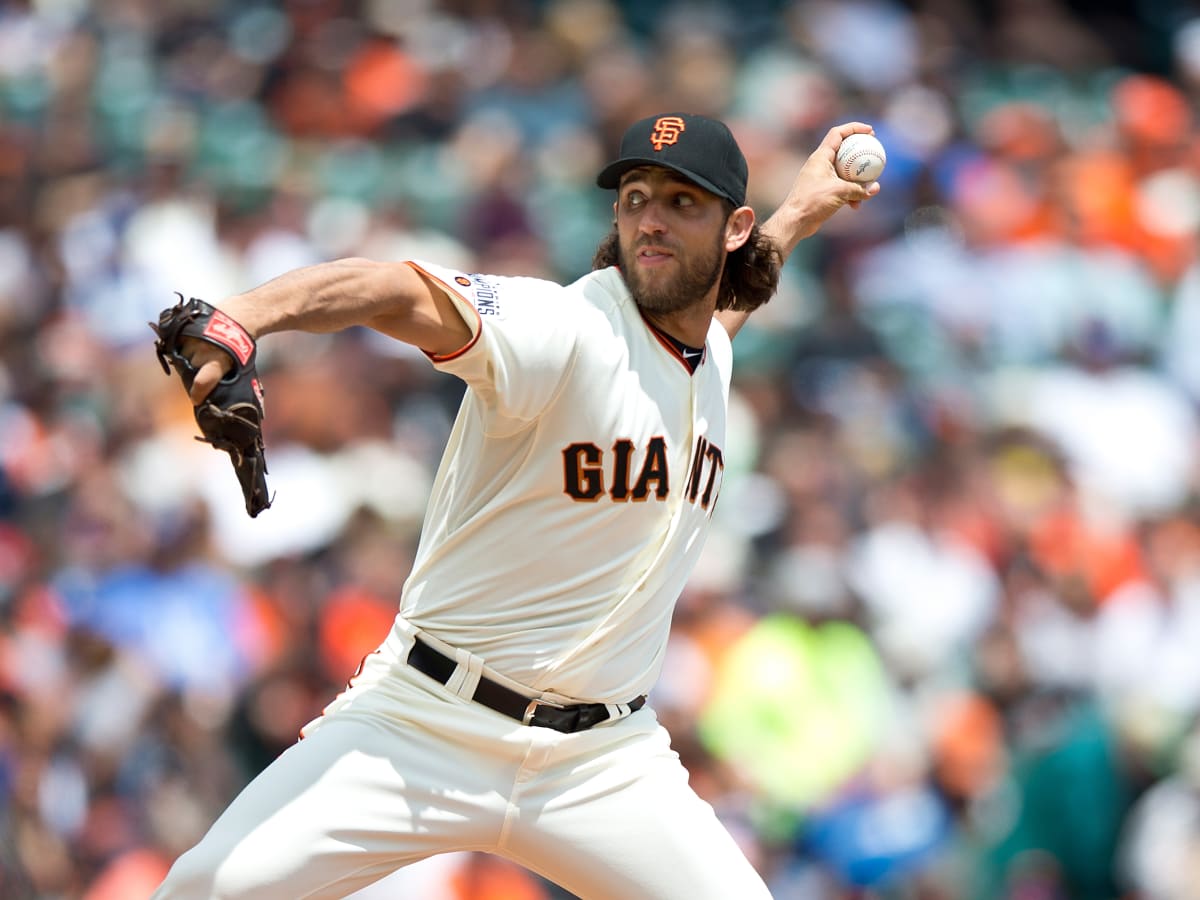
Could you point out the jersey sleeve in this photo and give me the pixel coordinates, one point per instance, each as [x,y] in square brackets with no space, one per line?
[523,338]
[721,348]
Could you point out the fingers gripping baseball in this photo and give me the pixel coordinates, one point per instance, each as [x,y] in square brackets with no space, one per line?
[853,191]
[818,191]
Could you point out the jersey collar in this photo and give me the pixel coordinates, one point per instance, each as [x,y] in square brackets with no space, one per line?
[690,357]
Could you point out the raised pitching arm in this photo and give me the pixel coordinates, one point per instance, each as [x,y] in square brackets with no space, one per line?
[816,194]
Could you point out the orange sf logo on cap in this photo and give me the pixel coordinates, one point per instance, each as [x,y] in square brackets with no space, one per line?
[666,131]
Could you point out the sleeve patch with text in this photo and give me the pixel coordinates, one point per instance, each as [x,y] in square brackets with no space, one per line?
[481,293]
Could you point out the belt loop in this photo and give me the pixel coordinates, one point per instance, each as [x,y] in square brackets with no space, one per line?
[471,667]
[466,674]
[529,711]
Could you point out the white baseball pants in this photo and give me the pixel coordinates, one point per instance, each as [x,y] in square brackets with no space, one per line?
[399,768]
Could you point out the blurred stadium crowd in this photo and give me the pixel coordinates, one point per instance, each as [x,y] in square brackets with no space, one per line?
[945,639]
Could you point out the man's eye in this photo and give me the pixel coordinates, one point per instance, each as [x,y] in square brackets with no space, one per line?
[634,198]
[685,200]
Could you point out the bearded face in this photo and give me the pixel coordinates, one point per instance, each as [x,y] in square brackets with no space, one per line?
[675,284]
[674,244]
[670,239]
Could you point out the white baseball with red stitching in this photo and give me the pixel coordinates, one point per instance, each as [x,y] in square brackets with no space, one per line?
[861,158]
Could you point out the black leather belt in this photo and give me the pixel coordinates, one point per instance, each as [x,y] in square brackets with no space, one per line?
[567,719]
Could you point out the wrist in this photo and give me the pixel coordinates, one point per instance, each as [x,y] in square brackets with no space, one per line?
[242,311]
[789,225]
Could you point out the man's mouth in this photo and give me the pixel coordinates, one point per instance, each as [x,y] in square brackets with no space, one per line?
[651,255]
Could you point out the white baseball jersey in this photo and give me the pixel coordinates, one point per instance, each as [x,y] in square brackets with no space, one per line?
[569,509]
[576,488]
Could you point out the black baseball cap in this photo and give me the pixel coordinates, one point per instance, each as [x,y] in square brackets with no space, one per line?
[700,149]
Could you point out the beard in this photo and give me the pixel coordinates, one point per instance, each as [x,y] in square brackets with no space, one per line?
[697,277]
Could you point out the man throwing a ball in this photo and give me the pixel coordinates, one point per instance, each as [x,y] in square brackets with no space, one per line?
[506,711]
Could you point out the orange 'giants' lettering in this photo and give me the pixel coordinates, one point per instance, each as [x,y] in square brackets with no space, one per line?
[583,475]
[584,467]
[583,471]
[711,454]
[654,470]
[622,451]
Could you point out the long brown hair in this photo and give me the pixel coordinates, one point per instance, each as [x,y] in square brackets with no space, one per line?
[749,279]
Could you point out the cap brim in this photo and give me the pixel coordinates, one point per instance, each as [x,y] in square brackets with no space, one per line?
[610,176]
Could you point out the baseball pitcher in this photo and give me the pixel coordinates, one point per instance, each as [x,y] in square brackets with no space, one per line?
[506,709]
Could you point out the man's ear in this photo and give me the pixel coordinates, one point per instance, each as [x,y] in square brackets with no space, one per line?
[738,227]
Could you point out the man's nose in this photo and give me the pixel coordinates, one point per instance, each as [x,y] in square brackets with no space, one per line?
[651,220]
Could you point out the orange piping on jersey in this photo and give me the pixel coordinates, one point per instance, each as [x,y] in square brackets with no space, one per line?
[446,357]
[671,348]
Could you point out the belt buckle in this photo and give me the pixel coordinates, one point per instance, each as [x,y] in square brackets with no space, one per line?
[531,709]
